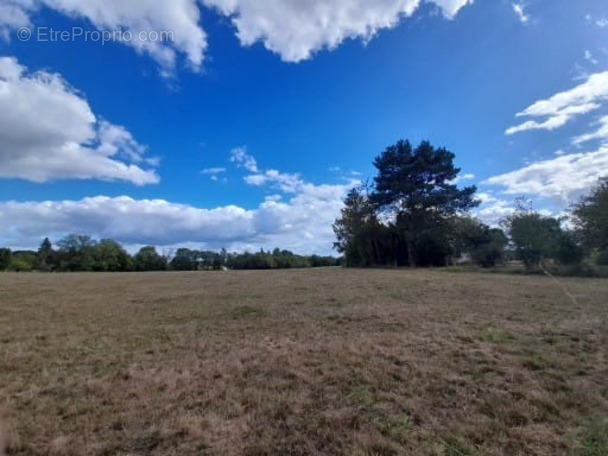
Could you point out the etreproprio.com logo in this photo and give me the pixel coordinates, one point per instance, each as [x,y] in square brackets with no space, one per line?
[51,35]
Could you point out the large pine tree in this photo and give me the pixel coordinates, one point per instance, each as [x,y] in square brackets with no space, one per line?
[416,187]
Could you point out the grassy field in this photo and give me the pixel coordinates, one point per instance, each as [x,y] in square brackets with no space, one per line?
[303,362]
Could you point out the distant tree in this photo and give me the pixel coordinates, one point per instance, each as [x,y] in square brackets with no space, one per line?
[416,187]
[185,260]
[46,258]
[568,249]
[148,259]
[485,245]
[590,217]
[76,253]
[75,242]
[357,229]
[535,237]
[5,259]
[109,256]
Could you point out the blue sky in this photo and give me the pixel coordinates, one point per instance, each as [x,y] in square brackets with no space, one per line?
[245,127]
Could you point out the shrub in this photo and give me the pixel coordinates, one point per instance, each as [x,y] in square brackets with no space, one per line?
[602,258]
[20,264]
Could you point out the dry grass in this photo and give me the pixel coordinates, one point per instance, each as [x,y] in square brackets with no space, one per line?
[302,363]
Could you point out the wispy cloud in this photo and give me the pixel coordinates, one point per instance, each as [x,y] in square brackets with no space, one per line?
[600,133]
[293,29]
[561,179]
[520,10]
[590,58]
[558,110]
[213,173]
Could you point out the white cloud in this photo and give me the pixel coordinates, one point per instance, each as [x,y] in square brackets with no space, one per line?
[285,182]
[561,108]
[48,131]
[519,9]
[180,17]
[600,133]
[492,210]
[302,224]
[242,159]
[562,179]
[602,22]
[288,183]
[301,221]
[214,173]
[13,14]
[464,177]
[296,29]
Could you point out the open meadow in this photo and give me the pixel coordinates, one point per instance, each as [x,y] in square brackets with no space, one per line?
[303,362]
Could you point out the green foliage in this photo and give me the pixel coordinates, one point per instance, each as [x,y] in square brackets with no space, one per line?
[5,259]
[46,258]
[357,216]
[534,236]
[601,258]
[416,187]
[185,260]
[22,261]
[414,193]
[591,217]
[148,259]
[76,253]
[595,441]
[109,256]
[485,245]
[82,253]
[568,250]
[278,259]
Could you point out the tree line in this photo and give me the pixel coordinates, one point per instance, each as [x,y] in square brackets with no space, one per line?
[81,253]
[414,214]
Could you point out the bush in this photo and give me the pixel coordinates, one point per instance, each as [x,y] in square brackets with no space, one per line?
[602,258]
[568,251]
[21,264]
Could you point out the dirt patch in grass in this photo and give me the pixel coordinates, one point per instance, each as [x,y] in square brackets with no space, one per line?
[307,362]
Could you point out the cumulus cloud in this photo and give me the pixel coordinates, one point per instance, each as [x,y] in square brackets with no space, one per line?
[562,179]
[303,223]
[299,219]
[296,29]
[557,111]
[13,14]
[179,17]
[48,131]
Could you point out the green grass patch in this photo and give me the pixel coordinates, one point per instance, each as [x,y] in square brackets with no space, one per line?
[494,336]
